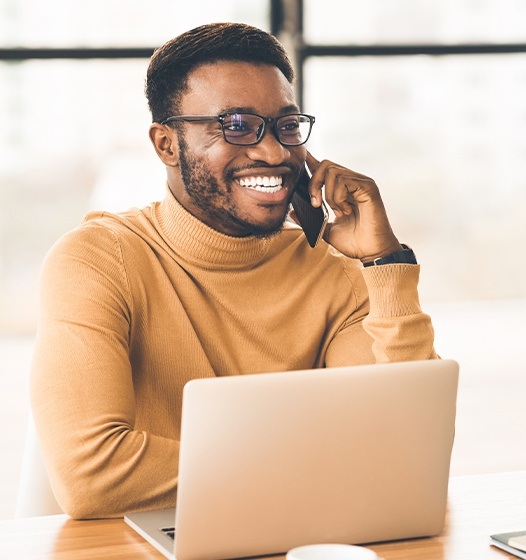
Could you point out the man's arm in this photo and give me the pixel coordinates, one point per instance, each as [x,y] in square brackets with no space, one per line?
[82,389]
[395,328]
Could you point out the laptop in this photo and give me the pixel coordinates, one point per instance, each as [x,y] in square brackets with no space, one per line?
[269,462]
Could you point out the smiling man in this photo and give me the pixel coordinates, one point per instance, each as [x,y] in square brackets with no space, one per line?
[213,280]
[236,191]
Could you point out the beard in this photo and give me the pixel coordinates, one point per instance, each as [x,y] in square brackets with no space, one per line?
[216,199]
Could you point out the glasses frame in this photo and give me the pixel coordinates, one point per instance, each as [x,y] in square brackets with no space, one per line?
[272,121]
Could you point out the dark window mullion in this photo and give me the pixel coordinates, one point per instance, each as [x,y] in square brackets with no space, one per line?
[411,50]
[20,54]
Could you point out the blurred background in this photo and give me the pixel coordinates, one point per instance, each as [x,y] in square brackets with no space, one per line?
[426,97]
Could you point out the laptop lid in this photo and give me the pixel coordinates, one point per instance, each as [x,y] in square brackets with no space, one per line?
[351,455]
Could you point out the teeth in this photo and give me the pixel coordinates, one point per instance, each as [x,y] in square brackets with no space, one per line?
[262,184]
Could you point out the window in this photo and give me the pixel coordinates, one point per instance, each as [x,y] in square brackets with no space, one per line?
[443,136]
[384,22]
[74,132]
[445,140]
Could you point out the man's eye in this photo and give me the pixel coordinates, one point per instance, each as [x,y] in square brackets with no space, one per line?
[238,127]
[289,126]
[234,127]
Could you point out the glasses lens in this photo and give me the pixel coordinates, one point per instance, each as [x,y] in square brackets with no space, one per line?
[242,129]
[293,130]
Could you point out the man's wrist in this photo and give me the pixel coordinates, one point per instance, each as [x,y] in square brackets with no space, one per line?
[405,256]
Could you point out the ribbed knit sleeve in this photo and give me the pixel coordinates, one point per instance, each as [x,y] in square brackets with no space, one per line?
[394,329]
[396,323]
[83,395]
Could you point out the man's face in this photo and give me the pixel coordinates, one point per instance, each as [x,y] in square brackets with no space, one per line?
[237,190]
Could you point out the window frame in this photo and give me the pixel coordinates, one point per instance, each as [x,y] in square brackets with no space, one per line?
[286,23]
[286,20]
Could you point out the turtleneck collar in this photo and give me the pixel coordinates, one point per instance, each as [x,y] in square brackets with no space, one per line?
[197,242]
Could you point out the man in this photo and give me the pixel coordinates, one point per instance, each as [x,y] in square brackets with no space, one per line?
[211,281]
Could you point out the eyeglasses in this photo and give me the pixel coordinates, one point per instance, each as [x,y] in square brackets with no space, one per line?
[246,129]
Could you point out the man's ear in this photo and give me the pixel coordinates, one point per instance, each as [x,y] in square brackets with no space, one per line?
[164,140]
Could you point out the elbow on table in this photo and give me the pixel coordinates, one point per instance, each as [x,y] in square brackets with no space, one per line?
[80,508]
[88,500]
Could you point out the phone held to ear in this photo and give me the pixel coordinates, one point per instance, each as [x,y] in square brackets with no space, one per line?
[312,220]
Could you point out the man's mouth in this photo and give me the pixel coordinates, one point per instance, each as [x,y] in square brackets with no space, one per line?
[265,184]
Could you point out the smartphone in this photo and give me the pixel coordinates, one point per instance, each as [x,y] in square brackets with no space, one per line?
[312,220]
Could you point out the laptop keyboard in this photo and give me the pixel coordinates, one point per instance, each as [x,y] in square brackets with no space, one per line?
[169,532]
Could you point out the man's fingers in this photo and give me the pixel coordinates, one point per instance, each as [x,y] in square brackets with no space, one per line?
[344,188]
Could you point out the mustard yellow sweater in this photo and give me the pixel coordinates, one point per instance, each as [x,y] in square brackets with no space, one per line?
[134,305]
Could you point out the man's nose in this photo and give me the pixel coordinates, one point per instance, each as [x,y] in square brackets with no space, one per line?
[269,149]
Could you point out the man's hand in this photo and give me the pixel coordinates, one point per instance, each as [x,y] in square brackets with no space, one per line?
[361,228]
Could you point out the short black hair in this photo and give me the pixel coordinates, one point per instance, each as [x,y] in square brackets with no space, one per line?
[170,65]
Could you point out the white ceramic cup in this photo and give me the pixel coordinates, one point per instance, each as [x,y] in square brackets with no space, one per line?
[331,552]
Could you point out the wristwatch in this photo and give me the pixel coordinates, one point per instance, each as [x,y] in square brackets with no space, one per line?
[399,257]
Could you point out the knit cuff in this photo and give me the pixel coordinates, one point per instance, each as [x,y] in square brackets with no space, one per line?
[393,289]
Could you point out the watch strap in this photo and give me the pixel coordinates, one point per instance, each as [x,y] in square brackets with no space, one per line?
[406,256]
